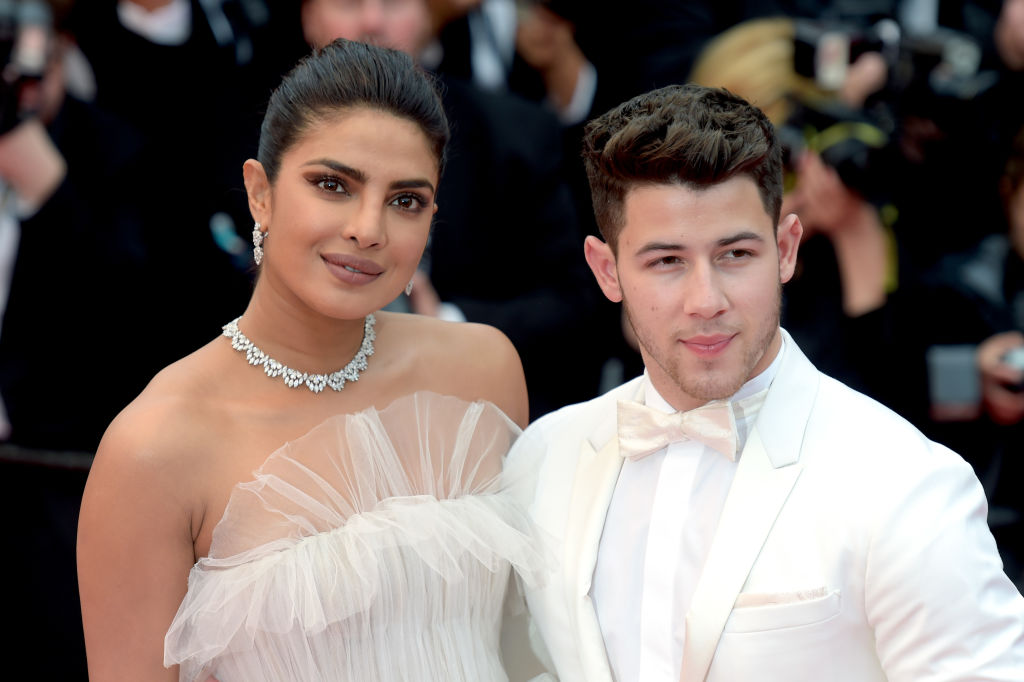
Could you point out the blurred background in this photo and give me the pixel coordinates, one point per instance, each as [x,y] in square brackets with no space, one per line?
[124,230]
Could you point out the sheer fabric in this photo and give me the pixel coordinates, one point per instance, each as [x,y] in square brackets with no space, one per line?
[376,547]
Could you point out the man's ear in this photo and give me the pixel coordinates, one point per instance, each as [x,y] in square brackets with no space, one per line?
[788,238]
[601,260]
[257,187]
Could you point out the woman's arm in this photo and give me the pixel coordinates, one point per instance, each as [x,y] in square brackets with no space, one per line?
[134,552]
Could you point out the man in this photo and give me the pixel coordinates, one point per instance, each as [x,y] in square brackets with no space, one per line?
[812,534]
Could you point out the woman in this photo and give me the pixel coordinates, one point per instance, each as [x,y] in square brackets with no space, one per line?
[340,525]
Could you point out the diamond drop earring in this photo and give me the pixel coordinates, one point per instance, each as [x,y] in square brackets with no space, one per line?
[257,242]
[408,288]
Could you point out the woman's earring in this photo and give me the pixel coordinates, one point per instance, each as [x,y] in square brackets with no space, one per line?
[408,288]
[257,242]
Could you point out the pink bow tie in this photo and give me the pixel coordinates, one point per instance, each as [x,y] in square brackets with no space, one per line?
[643,430]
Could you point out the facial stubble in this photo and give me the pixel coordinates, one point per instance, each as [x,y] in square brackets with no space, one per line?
[707,386]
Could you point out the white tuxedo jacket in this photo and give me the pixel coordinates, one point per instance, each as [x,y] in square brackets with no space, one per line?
[869,540]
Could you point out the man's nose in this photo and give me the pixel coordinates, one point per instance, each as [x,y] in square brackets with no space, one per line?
[705,297]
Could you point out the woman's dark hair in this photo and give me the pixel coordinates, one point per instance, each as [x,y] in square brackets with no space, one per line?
[346,74]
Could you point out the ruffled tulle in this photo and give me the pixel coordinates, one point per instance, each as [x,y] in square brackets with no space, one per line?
[376,547]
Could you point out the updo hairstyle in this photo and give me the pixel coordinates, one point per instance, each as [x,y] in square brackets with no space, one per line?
[343,75]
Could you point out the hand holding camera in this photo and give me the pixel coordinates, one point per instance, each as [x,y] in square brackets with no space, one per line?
[26,45]
[1001,363]
[29,161]
[1015,358]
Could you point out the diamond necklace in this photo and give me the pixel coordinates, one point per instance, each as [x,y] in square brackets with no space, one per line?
[294,378]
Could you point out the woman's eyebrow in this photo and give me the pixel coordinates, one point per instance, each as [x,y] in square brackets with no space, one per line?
[360,176]
[339,167]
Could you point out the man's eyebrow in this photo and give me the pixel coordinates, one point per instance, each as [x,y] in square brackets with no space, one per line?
[359,176]
[679,246]
[660,246]
[740,237]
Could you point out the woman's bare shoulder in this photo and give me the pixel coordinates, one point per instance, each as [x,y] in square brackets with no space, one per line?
[470,360]
[167,421]
[452,338]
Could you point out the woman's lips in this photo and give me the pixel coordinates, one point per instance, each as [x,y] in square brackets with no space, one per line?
[350,269]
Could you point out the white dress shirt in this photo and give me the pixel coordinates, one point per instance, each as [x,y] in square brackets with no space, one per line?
[656,538]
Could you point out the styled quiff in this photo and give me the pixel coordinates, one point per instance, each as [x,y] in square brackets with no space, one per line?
[687,135]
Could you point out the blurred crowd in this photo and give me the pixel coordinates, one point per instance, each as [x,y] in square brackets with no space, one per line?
[124,226]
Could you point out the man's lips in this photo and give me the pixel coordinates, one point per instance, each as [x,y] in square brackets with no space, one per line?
[708,345]
[351,269]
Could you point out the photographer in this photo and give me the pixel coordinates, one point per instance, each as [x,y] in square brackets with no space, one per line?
[73,216]
[975,308]
[72,194]
[981,294]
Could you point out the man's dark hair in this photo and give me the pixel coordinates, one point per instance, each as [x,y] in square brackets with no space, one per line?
[688,135]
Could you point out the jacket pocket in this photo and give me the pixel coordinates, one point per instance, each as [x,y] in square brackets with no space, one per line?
[788,614]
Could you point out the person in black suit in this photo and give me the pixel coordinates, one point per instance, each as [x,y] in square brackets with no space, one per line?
[115,272]
[74,195]
[195,100]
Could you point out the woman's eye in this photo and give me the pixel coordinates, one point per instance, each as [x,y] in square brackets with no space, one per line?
[331,185]
[408,202]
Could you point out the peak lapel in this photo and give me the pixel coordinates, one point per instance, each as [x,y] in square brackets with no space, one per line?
[768,469]
[593,485]
[757,495]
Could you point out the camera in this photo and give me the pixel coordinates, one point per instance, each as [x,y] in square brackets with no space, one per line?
[942,62]
[26,41]
[1015,358]
[847,140]
[934,75]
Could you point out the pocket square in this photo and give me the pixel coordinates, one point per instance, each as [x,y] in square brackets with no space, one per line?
[773,598]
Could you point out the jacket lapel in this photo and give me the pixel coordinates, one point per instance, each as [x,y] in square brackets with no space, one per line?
[597,471]
[768,469]
[755,499]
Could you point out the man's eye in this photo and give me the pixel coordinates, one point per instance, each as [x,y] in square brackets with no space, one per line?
[668,260]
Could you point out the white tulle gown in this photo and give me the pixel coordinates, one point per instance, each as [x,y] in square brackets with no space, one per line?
[376,547]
